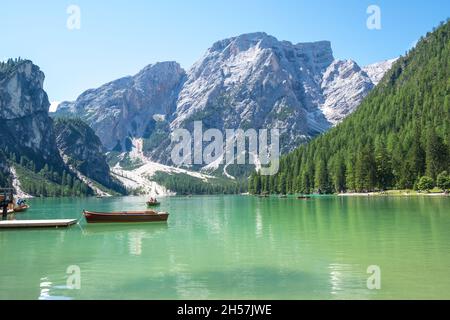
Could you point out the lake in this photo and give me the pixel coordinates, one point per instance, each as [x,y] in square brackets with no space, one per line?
[235,247]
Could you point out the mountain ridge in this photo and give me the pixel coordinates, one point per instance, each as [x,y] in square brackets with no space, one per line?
[251,80]
[30,158]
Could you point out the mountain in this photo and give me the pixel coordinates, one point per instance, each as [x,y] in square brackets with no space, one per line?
[398,136]
[127,107]
[30,159]
[26,127]
[377,70]
[256,81]
[27,139]
[344,85]
[83,152]
[249,81]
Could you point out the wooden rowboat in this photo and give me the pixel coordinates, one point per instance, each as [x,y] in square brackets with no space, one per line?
[125,216]
[153,203]
[21,208]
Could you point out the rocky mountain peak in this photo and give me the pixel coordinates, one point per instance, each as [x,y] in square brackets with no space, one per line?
[377,70]
[253,65]
[242,42]
[21,90]
[249,81]
[344,86]
[27,129]
[158,70]
[124,108]
[339,69]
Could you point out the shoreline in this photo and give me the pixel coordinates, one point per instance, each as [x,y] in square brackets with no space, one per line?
[394,193]
[390,193]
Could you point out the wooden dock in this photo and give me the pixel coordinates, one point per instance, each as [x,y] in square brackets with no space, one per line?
[13,224]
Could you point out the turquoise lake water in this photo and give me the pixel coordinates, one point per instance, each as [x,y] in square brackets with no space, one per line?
[235,247]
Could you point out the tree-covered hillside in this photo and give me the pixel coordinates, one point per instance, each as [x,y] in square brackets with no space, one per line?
[32,144]
[83,151]
[27,140]
[184,184]
[399,134]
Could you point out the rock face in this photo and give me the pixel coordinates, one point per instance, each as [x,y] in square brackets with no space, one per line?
[249,81]
[27,132]
[256,81]
[344,85]
[377,70]
[26,128]
[83,150]
[125,108]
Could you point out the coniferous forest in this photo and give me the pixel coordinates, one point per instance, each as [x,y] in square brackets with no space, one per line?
[184,184]
[399,138]
[47,182]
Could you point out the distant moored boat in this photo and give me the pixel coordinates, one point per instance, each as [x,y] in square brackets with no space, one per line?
[153,203]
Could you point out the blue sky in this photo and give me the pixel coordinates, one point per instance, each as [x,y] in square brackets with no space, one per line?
[118,38]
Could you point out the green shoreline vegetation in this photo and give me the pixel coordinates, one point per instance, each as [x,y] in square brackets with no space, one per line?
[47,183]
[184,184]
[387,193]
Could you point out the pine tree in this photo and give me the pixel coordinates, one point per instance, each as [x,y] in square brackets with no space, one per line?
[339,175]
[365,170]
[383,166]
[282,188]
[436,154]
[321,177]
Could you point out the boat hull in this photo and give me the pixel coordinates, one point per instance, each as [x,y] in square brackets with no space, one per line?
[125,217]
[153,204]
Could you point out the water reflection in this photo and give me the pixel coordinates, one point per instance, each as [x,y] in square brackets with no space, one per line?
[46,287]
[259,223]
[148,229]
[135,242]
[339,277]
[135,235]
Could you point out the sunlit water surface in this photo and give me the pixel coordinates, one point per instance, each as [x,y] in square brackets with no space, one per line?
[235,247]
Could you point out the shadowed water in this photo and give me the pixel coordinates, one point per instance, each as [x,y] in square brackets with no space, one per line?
[235,247]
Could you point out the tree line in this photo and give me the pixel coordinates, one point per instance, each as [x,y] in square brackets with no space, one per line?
[184,184]
[399,138]
[46,182]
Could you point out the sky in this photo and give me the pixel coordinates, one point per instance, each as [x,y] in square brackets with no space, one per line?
[118,38]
